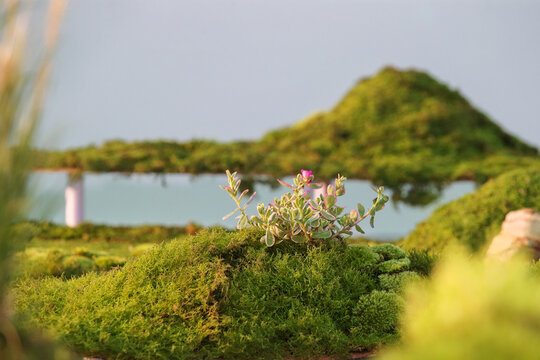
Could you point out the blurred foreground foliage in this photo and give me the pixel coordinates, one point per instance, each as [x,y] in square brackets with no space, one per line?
[225,295]
[22,90]
[476,218]
[401,129]
[470,309]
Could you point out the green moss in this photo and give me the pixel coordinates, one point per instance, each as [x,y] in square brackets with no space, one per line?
[39,262]
[397,128]
[103,233]
[471,309]
[82,251]
[397,282]
[141,249]
[109,262]
[535,269]
[474,219]
[223,295]
[389,251]
[422,261]
[76,265]
[376,315]
[394,265]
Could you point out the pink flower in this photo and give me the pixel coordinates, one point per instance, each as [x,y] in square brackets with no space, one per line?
[306,174]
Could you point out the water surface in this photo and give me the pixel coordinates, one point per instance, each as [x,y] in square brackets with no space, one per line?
[178,199]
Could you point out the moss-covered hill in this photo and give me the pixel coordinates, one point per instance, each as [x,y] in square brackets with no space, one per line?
[395,128]
[476,218]
[225,295]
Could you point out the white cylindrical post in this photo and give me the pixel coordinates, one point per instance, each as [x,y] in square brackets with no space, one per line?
[74,201]
[320,191]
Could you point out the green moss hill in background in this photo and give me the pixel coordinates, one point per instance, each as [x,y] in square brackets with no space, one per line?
[476,218]
[397,128]
[225,295]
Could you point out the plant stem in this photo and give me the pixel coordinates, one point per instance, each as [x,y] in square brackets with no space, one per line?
[239,206]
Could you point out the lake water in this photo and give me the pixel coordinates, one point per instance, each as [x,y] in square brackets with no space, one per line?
[178,199]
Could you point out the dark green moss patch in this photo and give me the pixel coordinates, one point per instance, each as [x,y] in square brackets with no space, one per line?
[224,295]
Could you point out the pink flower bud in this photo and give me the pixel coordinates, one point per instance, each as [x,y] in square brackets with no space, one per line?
[306,174]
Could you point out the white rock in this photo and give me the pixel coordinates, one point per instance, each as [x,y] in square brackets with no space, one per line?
[520,229]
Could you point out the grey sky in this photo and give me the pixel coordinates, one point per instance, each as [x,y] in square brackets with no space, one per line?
[178,69]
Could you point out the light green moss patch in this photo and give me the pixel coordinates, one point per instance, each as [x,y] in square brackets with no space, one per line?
[224,295]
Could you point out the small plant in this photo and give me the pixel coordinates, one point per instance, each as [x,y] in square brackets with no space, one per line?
[297,217]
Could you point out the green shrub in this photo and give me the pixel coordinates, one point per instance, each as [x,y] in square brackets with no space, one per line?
[224,295]
[471,310]
[476,218]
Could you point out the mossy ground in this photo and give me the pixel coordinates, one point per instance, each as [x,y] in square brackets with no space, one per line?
[476,218]
[224,295]
[57,250]
[70,258]
[90,232]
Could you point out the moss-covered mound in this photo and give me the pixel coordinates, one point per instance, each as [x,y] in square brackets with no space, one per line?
[395,128]
[474,219]
[224,295]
